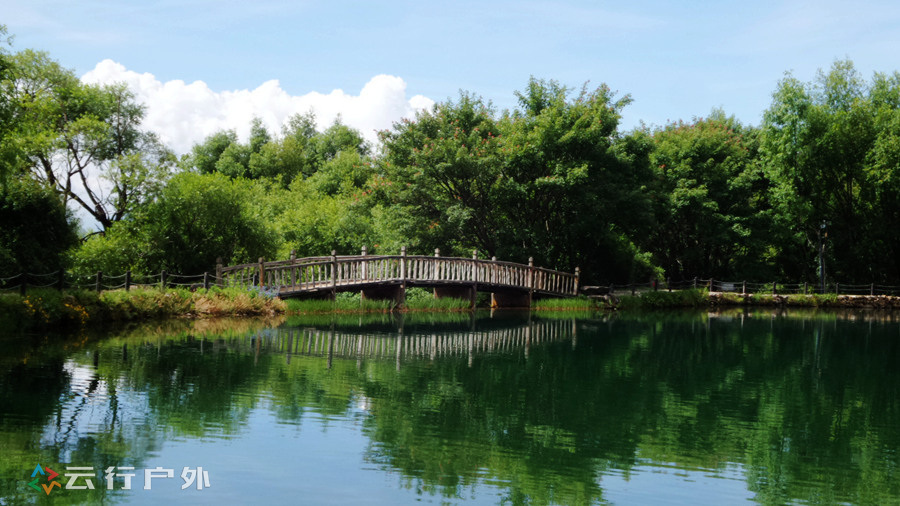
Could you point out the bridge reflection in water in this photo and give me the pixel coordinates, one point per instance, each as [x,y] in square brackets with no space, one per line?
[366,342]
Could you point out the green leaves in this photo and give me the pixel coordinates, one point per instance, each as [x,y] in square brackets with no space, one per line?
[69,133]
[827,147]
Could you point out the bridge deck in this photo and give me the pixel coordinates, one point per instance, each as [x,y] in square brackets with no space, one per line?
[304,276]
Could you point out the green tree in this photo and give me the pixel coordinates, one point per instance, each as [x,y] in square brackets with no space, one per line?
[85,140]
[203,156]
[818,142]
[196,219]
[37,229]
[442,173]
[9,150]
[573,197]
[711,208]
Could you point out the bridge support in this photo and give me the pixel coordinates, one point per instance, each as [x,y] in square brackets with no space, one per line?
[456,292]
[511,300]
[396,293]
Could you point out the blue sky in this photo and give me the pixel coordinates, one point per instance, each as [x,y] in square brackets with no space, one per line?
[677,60]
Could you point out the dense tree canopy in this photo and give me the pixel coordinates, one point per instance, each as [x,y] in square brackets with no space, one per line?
[830,150]
[37,229]
[711,213]
[84,140]
[554,178]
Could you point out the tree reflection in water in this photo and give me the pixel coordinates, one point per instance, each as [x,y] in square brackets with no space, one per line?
[801,408]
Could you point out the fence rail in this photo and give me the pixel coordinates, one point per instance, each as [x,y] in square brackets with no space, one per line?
[748,288]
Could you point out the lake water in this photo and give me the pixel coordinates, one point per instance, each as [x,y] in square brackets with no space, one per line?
[782,408]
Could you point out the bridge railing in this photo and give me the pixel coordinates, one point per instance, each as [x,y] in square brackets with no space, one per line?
[318,273]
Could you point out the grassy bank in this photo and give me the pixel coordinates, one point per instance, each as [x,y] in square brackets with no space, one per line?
[417,299]
[51,308]
[701,298]
[575,304]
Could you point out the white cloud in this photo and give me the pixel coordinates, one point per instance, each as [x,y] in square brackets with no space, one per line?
[184,114]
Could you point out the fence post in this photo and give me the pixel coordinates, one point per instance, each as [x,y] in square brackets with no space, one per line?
[669,284]
[775,288]
[493,276]
[61,281]
[805,288]
[262,272]
[611,288]
[364,268]
[710,288]
[631,285]
[128,280]
[162,280]
[333,273]
[474,277]
[695,282]
[872,290]
[206,280]
[577,276]
[219,271]
[837,288]
[402,297]
[744,287]
[98,282]
[434,273]
[294,269]
[531,279]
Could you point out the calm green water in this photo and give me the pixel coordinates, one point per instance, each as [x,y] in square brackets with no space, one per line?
[654,409]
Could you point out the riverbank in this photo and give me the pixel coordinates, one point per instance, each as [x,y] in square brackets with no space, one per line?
[48,308]
[698,298]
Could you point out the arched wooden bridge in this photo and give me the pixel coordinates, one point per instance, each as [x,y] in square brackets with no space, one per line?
[388,276]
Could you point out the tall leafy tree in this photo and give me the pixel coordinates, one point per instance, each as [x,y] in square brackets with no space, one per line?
[571,195]
[711,210]
[817,141]
[9,149]
[442,173]
[85,140]
[37,228]
[196,219]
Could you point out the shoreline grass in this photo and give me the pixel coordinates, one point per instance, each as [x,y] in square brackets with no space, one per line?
[417,299]
[49,308]
[580,303]
[701,298]
[42,308]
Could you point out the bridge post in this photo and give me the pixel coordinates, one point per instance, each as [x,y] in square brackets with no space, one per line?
[293,269]
[401,297]
[578,278]
[219,271]
[333,274]
[474,277]
[364,267]
[530,280]
[262,272]
[436,272]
